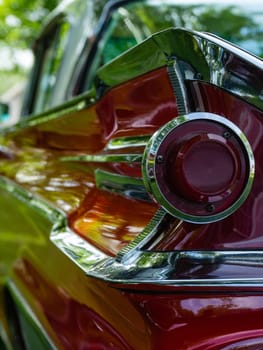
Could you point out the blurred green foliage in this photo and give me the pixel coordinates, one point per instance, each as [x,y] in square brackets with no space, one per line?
[8,79]
[20,22]
[237,24]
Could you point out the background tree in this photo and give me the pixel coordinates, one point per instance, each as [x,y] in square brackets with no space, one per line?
[237,24]
[20,22]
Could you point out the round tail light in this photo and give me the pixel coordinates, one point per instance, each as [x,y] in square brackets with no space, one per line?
[199,167]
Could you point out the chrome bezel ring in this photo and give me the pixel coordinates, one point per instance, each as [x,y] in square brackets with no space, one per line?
[151,161]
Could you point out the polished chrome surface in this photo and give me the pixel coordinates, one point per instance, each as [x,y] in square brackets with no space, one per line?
[104,158]
[126,186]
[206,58]
[135,265]
[151,231]
[221,64]
[150,159]
[70,107]
[179,89]
[127,142]
[198,56]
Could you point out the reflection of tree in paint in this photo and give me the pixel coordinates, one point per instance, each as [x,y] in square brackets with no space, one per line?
[76,325]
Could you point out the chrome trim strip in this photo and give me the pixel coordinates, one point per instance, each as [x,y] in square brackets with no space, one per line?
[243,54]
[177,82]
[74,106]
[157,268]
[127,142]
[145,236]
[31,200]
[104,158]
[218,54]
[125,186]
[199,56]
[76,248]
[135,266]
[204,63]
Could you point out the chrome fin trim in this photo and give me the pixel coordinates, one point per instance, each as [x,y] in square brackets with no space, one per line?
[198,56]
[136,266]
[178,87]
[125,186]
[146,235]
[127,142]
[104,158]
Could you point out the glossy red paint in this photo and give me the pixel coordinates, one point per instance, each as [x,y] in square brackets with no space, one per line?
[137,107]
[180,320]
[76,325]
[109,221]
[243,229]
[36,153]
[202,322]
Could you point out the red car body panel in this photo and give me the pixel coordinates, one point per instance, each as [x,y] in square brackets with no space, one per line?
[92,258]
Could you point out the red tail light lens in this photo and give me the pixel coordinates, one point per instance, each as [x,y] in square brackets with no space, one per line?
[199,167]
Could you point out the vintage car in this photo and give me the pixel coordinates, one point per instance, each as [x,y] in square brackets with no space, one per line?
[130,188]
